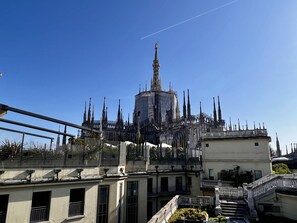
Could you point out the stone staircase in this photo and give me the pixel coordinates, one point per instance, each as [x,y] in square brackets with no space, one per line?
[234,208]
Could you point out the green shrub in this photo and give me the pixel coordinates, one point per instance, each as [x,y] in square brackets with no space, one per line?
[221,219]
[280,168]
[188,213]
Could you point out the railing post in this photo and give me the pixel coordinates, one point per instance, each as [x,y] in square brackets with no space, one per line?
[218,209]
[250,200]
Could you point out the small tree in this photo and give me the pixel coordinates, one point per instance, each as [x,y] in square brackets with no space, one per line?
[280,168]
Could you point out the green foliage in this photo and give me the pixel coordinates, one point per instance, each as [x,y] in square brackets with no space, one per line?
[180,153]
[78,141]
[168,153]
[189,214]
[280,168]
[221,219]
[135,152]
[238,177]
[153,153]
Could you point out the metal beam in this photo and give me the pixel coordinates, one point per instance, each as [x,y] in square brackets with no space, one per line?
[35,127]
[26,133]
[23,112]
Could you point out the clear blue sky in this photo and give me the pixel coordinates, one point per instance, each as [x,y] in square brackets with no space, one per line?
[55,54]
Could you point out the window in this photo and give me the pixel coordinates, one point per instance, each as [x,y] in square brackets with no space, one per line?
[77,202]
[102,211]
[132,202]
[210,172]
[164,184]
[3,207]
[150,185]
[271,208]
[206,145]
[256,144]
[178,183]
[40,206]
[190,181]
[258,174]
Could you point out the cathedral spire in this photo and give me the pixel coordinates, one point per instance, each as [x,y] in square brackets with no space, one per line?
[85,113]
[93,118]
[200,114]
[104,115]
[89,111]
[219,111]
[189,106]
[64,136]
[184,107]
[278,150]
[214,113]
[156,83]
[58,140]
[119,112]
[103,110]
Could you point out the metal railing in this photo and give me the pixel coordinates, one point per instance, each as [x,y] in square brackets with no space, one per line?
[40,213]
[76,208]
[63,156]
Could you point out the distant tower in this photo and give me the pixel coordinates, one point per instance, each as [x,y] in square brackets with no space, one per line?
[156,82]
[278,150]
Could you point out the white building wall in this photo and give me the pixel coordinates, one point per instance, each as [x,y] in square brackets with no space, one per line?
[247,153]
[20,201]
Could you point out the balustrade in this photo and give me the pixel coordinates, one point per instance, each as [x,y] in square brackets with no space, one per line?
[40,213]
[231,192]
[76,208]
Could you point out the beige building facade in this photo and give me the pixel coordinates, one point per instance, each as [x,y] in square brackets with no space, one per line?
[242,150]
